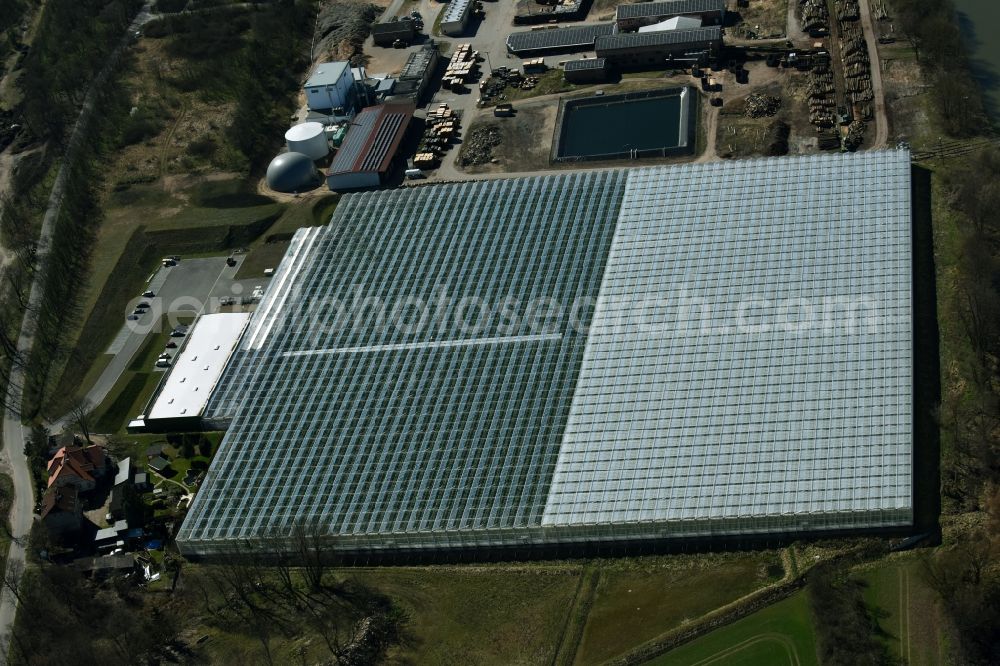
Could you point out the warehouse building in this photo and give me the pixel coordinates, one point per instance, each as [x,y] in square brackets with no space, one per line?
[330,89]
[641,49]
[179,401]
[368,153]
[631,17]
[743,366]
[416,75]
[456,17]
[531,43]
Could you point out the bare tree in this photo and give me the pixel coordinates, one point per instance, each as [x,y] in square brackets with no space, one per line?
[81,415]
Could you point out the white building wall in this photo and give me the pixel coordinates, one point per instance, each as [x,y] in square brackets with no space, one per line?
[332,96]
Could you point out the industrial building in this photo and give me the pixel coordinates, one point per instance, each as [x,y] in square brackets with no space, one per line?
[180,399]
[292,172]
[330,89]
[456,17]
[630,17]
[531,43]
[640,49]
[368,153]
[743,365]
[586,70]
[413,79]
[386,34]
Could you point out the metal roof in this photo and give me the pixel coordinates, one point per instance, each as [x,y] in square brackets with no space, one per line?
[632,40]
[455,10]
[670,8]
[371,142]
[743,362]
[327,74]
[198,366]
[558,38]
[418,62]
[585,63]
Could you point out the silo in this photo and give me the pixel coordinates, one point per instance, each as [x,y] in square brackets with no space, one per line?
[308,139]
[292,172]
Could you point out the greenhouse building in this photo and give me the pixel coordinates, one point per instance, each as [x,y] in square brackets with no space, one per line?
[601,357]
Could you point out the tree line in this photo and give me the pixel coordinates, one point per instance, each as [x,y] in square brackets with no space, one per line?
[931,27]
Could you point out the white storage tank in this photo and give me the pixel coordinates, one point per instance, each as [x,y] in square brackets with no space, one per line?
[308,139]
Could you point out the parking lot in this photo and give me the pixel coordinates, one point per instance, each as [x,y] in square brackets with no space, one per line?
[190,288]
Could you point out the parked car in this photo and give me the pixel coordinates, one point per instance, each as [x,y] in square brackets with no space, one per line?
[177,333]
[142,305]
[163,363]
[132,317]
[164,356]
[138,312]
[171,344]
[148,294]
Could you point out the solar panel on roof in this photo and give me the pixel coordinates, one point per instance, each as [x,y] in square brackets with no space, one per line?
[670,8]
[631,40]
[535,40]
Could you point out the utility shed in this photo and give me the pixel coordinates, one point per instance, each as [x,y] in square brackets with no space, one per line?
[640,49]
[456,17]
[366,156]
[587,70]
[632,16]
[330,87]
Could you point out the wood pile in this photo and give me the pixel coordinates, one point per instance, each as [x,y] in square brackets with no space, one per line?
[814,15]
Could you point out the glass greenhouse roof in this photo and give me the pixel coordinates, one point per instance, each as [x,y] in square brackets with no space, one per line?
[689,350]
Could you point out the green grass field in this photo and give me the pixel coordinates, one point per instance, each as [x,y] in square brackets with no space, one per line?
[778,635]
[632,607]
[478,615]
[906,612]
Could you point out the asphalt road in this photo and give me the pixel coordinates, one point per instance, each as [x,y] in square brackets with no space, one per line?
[22,511]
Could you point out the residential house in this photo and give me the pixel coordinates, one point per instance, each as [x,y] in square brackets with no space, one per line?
[79,466]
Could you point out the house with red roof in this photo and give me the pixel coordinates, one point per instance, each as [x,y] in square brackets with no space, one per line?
[78,466]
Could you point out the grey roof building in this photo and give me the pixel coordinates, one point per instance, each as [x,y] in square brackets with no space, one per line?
[743,364]
[637,49]
[534,42]
[632,16]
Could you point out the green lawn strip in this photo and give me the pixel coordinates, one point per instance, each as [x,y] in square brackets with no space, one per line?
[905,610]
[260,258]
[633,607]
[126,256]
[115,412]
[779,634]
[482,615]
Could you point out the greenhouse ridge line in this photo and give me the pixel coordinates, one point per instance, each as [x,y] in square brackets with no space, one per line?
[439,344]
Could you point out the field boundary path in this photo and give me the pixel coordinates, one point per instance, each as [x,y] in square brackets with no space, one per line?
[875,66]
[22,509]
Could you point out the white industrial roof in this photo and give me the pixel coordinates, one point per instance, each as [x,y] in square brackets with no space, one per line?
[327,74]
[304,131]
[197,368]
[675,23]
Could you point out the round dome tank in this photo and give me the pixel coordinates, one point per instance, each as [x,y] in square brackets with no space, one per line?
[291,172]
[308,139]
